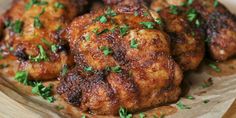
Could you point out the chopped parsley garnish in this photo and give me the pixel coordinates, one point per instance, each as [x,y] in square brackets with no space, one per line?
[22,77]
[64,70]
[2,66]
[189,2]
[158,21]
[87,37]
[145,14]
[206,101]
[133,43]
[135,13]
[83,116]
[106,50]
[103,31]
[103,19]
[110,12]
[123,113]
[174,9]
[148,25]
[116,69]
[95,30]
[44,40]
[123,30]
[59,5]
[180,105]
[41,57]
[17,26]
[88,69]
[214,67]
[191,14]
[35,2]
[190,97]
[38,87]
[197,22]
[37,22]
[7,23]
[54,48]
[142,115]
[44,92]
[216,3]
[59,107]
[158,10]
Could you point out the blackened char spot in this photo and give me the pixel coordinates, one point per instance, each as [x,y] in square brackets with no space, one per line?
[20,53]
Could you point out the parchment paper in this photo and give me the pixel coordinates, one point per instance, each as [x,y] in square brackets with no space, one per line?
[17,102]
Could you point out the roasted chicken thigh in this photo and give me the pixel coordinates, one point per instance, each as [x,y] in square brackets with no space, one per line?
[122,59]
[32,29]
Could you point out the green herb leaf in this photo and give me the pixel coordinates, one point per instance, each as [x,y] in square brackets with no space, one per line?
[191,14]
[110,12]
[41,57]
[7,23]
[158,21]
[44,40]
[35,2]
[216,3]
[64,70]
[87,37]
[189,2]
[133,43]
[54,48]
[142,115]
[22,77]
[88,69]
[59,107]
[83,116]
[214,67]
[37,22]
[174,9]
[198,23]
[123,30]
[180,105]
[103,31]
[59,5]
[103,19]
[106,50]
[190,97]
[116,69]
[124,114]
[135,13]
[44,92]
[148,25]
[17,26]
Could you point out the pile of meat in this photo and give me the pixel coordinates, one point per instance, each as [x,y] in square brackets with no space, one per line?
[120,54]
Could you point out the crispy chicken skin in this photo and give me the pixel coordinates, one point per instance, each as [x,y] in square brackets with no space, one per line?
[187,40]
[34,35]
[220,28]
[109,73]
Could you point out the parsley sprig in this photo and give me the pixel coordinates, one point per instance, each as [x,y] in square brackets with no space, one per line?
[37,87]
[35,2]
[147,25]
[41,57]
[124,113]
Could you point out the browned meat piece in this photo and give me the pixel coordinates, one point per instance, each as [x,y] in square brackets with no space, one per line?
[122,59]
[221,28]
[187,39]
[33,33]
[157,5]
